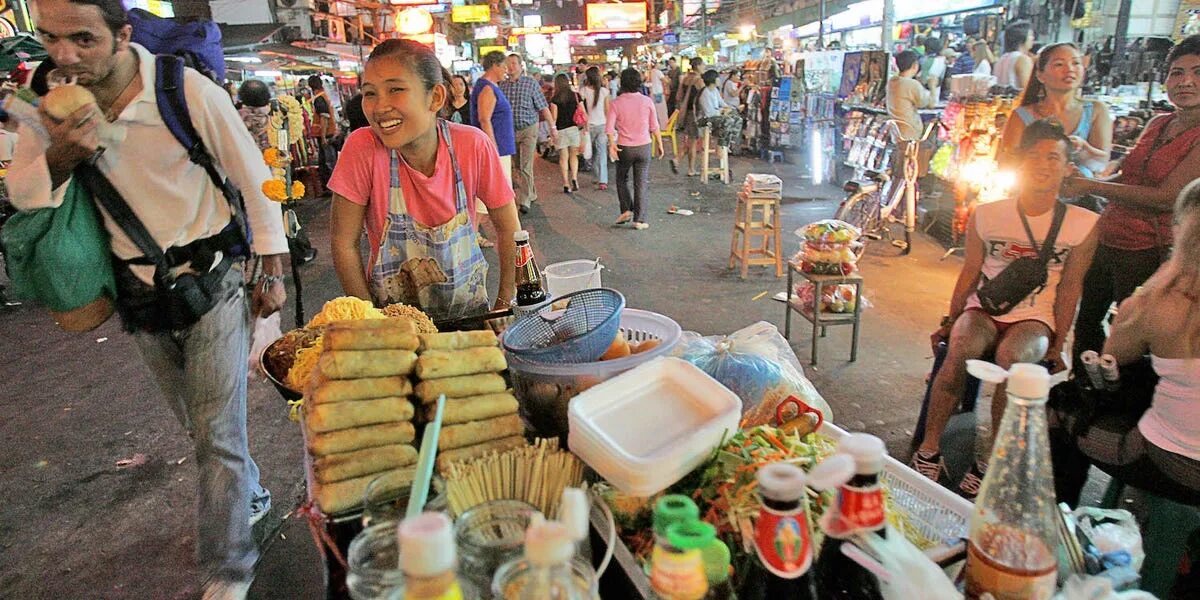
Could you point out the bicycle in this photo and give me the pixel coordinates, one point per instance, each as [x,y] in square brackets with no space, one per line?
[874,205]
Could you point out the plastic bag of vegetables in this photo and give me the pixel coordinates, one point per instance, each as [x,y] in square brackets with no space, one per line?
[758,365]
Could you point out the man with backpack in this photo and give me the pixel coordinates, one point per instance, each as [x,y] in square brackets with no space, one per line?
[179,231]
[1016,296]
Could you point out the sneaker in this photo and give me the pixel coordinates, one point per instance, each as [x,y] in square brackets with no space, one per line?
[259,509]
[971,482]
[640,226]
[219,589]
[930,465]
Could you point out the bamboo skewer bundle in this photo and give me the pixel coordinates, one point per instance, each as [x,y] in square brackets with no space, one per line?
[536,474]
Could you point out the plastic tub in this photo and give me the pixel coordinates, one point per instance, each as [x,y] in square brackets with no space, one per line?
[545,389]
[647,428]
[562,278]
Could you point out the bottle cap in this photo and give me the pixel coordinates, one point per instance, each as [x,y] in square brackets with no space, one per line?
[1027,380]
[781,481]
[549,543]
[716,561]
[867,450]
[521,236]
[426,545]
[672,508]
[691,535]
[573,512]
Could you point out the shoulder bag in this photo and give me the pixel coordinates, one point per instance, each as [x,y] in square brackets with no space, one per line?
[1024,276]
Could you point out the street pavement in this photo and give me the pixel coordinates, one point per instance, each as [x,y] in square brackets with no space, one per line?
[99,482]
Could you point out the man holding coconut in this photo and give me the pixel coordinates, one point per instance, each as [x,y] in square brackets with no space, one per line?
[199,360]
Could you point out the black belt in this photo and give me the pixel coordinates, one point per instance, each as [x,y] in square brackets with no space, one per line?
[202,252]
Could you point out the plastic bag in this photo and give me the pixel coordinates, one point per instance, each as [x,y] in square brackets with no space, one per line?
[839,299]
[60,256]
[828,248]
[911,574]
[758,365]
[1096,588]
[266,331]
[1111,530]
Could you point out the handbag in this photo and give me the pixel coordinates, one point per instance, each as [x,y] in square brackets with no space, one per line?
[1024,276]
[581,116]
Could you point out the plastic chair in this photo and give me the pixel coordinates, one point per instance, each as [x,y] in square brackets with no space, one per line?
[1164,538]
[669,132]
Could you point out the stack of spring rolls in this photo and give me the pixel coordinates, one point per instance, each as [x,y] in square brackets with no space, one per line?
[480,415]
[357,412]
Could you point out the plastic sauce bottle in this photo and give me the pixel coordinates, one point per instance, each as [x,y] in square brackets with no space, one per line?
[860,508]
[677,567]
[782,540]
[427,558]
[548,571]
[716,569]
[1011,551]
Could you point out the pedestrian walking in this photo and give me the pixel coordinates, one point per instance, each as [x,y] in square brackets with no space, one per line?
[410,181]
[596,100]
[563,105]
[656,80]
[198,356]
[491,110]
[528,105]
[324,127]
[673,76]
[459,104]
[689,99]
[632,127]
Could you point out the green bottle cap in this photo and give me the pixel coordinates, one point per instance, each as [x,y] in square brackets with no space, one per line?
[673,508]
[716,561]
[691,535]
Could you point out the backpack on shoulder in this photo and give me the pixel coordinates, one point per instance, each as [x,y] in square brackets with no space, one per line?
[197,41]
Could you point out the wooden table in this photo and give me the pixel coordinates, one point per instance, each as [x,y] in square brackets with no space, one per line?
[821,320]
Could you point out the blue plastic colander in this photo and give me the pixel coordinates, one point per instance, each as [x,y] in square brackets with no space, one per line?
[580,334]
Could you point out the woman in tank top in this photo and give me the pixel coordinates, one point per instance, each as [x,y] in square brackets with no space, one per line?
[1158,450]
[1015,66]
[1053,93]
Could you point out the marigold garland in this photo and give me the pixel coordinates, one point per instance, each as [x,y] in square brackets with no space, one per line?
[274,158]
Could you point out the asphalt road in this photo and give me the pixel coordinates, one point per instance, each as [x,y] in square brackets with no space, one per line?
[78,524]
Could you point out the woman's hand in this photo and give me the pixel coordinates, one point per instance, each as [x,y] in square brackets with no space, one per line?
[1076,185]
[612,154]
[662,150]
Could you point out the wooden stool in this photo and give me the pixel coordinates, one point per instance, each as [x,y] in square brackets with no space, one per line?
[722,168]
[756,218]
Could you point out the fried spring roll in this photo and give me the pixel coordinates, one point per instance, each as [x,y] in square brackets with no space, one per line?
[477,432]
[402,323]
[348,465]
[475,408]
[356,364]
[342,390]
[437,364]
[341,496]
[460,387]
[384,338]
[344,415]
[458,340]
[458,454]
[358,438]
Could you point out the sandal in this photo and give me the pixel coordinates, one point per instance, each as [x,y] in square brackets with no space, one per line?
[625,217]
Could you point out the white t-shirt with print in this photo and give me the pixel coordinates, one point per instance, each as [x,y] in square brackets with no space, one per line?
[1004,240]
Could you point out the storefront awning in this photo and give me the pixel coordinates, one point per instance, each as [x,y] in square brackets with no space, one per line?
[248,36]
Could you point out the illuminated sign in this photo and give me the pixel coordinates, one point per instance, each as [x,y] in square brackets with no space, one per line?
[615,18]
[475,13]
[154,7]
[486,32]
[413,21]
[545,29]
[486,50]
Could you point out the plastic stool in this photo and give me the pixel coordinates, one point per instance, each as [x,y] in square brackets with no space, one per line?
[772,155]
[1164,538]
[756,218]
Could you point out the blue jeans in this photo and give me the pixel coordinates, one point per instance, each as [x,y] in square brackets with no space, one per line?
[202,372]
[599,152]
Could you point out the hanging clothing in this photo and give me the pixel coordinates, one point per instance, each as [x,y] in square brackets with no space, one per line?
[439,269]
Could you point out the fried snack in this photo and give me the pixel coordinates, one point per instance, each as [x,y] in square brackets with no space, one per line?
[476,408]
[436,364]
[458,340]
[344,415]
[477,432]
[348,465]
[355,364]
[460,454]
[423,322]
[344,390]
[345,308]
[383,338]
[306,361]
[463,386]
[358,438]
[341,496]
[618,349]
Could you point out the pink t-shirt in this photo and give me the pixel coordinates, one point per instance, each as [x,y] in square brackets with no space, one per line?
[633,117]
[362,177]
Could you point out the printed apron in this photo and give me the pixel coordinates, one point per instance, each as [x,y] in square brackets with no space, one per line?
[441,270]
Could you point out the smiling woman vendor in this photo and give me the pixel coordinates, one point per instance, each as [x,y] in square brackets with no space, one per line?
[407,181]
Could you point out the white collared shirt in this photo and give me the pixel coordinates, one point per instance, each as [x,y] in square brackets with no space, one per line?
[172,196]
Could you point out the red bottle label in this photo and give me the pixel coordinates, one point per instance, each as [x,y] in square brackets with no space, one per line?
[861,507]
[782,541]
[524,254]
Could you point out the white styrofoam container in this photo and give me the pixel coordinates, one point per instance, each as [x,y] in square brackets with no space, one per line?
[645,429]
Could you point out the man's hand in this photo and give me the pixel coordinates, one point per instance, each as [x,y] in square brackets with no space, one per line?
[1074,186]
[72,140]
[502,303]
[1054,358]
[939,336]
[269,292]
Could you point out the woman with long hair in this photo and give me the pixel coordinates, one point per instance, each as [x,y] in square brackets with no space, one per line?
[1135,229]
[1014,68]
[563,103]
[982,54]
[409,181]
[459,105]
[633,127]
[1053,93]
[596,100]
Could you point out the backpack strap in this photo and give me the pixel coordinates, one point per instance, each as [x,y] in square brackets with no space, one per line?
[172,105]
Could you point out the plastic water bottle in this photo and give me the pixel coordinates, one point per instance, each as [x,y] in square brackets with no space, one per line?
[428,557]
[548,571]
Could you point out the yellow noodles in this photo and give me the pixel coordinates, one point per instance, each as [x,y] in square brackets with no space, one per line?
[345,308]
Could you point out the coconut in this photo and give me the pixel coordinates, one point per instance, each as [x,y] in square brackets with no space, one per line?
[62,101]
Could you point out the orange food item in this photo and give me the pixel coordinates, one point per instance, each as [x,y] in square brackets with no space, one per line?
[646,346]
[618,349]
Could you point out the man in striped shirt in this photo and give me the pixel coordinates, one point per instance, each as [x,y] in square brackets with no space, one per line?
[528,104]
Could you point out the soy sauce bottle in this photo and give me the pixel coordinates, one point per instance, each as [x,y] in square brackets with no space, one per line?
[782,540]
[859,508]
[529,278]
